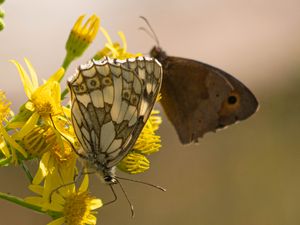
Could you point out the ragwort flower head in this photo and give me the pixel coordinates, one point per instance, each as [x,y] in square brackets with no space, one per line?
[75,207]
[80,38]
[115,50]
[43,100]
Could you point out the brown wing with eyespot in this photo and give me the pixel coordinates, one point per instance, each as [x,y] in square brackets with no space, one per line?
[199,98]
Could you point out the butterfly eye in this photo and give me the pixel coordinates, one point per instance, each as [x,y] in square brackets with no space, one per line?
[107,81]
[109,180]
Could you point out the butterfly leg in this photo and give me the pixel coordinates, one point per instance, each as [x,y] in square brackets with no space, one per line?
[114,193]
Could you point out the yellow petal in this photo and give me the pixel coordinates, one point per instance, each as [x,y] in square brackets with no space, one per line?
[28,87]
[58,75]
[91,219]
[95,204]
[43,169]
[58,221]
[53,206]
[29,105]
[123,38]
[12,142]
[84,185]
[78,23]
[36,189]
[4,149]
[33,75]
[34,200]
[58,199]
[105,33]
[27,127]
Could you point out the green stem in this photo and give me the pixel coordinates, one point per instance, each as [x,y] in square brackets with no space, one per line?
[4,162]
[25,204]
[67,61]
[27,172]
[64,93]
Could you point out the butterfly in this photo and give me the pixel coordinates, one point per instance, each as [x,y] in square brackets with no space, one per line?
[198,98]
[111,101]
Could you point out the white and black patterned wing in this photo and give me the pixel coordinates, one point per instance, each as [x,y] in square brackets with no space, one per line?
[110,105]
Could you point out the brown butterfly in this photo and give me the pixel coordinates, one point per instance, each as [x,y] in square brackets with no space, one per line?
[198,98]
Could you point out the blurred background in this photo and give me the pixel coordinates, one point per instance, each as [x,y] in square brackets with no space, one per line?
[248,174]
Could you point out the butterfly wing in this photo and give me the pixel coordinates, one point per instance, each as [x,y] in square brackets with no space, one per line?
[198,98]
[110,105]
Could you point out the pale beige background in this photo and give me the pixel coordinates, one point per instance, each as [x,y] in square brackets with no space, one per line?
[248,174]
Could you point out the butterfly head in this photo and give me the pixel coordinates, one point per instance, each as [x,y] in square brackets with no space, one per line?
[106,175]
[157,53]
[109,179]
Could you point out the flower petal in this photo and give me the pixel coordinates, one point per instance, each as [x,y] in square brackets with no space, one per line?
[84,185]
[95,204]
[58,221]
[38,201]
[28,126]
[33,75]
[36,189]
[58,75]
[91,219]
[12,142]
[28,86]
[43,169]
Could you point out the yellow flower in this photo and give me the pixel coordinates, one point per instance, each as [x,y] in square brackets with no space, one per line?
[76,207]
[43,100]
[39,140]
[134,163]
[114,50]
[57,165]
[80,38]
[147,143]
[5,138]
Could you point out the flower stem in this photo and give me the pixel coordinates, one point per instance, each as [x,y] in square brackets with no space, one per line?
[5,162]
[27,172]
[64,93]
[67,61]
[25,204]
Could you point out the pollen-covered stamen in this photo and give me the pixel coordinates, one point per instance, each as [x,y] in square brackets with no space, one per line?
[134,163]
[4,107]
[154,120]
[77,208]
[39,140]
[43,108]
[62,151]
[148,141]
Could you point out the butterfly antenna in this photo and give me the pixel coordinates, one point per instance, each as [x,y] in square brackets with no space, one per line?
[147,32]
[152,34]
[126,196]
[143,182]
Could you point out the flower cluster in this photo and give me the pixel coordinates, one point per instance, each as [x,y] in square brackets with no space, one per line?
[41,130]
